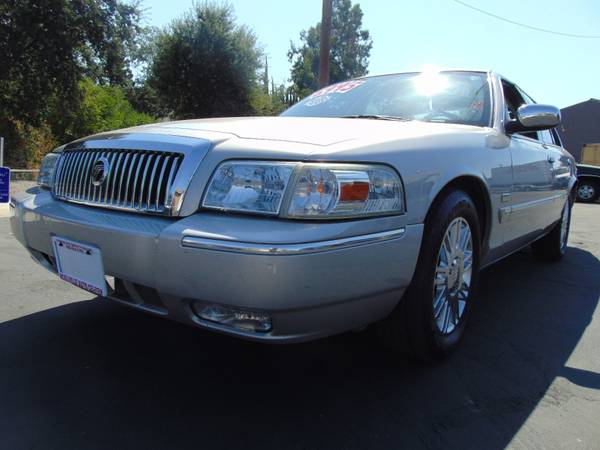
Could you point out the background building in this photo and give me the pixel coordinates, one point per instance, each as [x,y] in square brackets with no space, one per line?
[580,126]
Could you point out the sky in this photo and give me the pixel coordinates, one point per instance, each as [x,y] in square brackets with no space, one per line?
[412,34]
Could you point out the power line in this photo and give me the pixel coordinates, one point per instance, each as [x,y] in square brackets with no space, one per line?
[524,25]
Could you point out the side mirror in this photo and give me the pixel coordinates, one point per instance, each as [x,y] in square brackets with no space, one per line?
[534,118]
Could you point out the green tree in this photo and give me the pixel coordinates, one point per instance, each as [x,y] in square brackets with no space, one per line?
[47,46]
[105,108]
[27,145]
[350,50]
[205,64]
[102,108]
[265,77]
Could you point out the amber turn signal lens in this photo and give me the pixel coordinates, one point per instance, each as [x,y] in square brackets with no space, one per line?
[353,192]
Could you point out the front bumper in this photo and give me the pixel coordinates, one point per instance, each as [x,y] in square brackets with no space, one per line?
[313,279]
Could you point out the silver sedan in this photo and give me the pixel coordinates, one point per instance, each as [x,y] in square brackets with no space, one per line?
[373,201]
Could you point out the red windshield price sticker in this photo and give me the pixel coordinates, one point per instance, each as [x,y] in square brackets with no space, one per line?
[4,184]
[340,88]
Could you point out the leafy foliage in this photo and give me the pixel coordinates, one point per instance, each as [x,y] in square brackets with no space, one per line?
[27,144]
[350,50]
[101,108]
[205,65]
[105,108]
[47,46]
[270,101]
[70,68]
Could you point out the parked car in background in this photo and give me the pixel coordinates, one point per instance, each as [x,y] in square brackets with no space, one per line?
[373,201]
[588,183]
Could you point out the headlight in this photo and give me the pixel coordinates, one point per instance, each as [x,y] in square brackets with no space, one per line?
[248,186]
[331,191]
[305,191]
[46,175]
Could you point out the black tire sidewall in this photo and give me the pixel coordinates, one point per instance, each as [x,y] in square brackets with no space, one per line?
[424,335]
[563,248]
[550,247]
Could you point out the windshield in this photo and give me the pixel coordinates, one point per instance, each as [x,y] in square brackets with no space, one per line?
[453,97]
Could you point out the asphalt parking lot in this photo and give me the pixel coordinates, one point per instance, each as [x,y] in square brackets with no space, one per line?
[81,373]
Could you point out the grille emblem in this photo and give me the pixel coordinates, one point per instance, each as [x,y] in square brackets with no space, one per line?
[100,171]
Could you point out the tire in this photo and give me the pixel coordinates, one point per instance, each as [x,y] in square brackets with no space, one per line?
[587,191]
[413,326]
[553,246]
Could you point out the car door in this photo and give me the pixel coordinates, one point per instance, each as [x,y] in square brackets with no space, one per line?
[560,167]
[531,199]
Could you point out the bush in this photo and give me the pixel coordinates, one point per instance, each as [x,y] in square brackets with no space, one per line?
[105,108]
[26,145]
[101,108]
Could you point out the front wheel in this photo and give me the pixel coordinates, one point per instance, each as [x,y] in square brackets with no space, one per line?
[431,317]
[553,246]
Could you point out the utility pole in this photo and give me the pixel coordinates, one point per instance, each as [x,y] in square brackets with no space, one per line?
[325,44]
[1,152]
[266,76]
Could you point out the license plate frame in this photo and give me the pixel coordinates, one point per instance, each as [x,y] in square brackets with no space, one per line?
[80,264]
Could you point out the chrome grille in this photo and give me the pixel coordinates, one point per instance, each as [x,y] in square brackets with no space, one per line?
[138,180]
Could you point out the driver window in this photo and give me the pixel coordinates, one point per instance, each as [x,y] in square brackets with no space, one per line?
[527,98]
[513,99]
[556,137]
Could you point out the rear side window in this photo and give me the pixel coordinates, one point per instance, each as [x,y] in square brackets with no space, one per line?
[546,137]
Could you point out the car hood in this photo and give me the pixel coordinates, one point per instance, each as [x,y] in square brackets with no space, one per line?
[317,131]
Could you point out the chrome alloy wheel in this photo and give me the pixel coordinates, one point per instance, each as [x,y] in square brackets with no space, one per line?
[453,273]
[586,192]
[564,227]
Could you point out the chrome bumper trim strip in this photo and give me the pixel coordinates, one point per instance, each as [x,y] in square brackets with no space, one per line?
[290,249]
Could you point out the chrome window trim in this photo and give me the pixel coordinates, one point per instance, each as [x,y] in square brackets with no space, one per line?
[303,248]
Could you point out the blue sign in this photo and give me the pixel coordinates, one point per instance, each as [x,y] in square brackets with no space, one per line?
[4,184]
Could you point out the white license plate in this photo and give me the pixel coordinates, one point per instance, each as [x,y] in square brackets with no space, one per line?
[80,264]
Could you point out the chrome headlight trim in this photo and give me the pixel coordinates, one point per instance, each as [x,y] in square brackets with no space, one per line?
[248,186]
[336,191]
[48,170]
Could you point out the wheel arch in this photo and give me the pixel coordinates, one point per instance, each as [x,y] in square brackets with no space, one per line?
[590,178]
[479,193]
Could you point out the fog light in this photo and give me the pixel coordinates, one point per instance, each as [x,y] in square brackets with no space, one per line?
[236,318]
